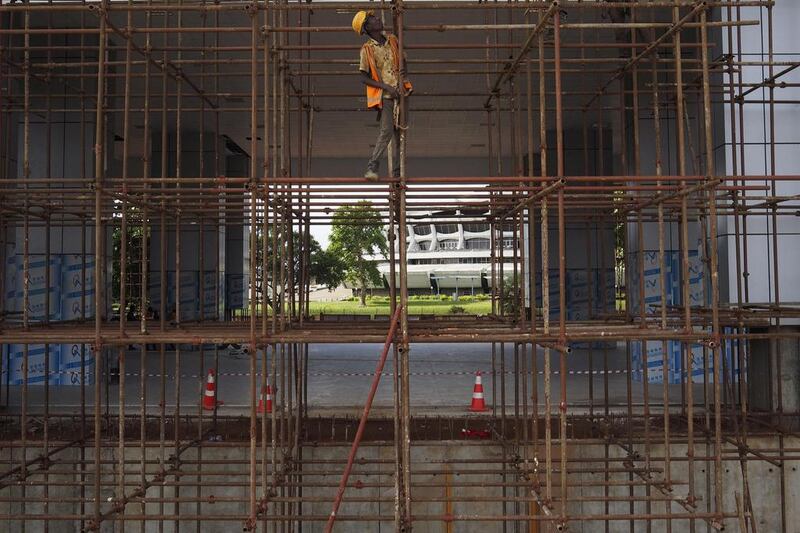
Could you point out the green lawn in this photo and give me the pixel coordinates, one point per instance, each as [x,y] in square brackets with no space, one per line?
[419,307]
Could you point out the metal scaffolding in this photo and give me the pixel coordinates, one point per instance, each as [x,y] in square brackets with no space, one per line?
[655,460]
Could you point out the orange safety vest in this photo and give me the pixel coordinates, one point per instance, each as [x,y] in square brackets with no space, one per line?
[374,94]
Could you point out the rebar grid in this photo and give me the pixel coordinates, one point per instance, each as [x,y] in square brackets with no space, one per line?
[656,460]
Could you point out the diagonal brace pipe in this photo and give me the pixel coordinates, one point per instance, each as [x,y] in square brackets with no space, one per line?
[45,460]
[363,423]
[675,28]
[512,67]
[141,491]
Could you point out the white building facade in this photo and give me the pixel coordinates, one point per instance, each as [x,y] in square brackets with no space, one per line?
[447,257]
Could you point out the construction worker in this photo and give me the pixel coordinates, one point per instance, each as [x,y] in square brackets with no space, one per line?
[380,70]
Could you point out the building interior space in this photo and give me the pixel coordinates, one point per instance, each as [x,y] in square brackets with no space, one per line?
[583,313]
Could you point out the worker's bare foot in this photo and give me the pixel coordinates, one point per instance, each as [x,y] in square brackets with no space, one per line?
[371,175]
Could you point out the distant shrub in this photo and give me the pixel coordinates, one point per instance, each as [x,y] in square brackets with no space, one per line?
[457,310]
[473,298]
[480,297]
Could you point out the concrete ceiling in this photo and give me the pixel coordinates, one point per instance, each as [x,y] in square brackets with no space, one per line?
[461,132]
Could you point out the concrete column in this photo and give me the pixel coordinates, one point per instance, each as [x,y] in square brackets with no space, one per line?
[768,386]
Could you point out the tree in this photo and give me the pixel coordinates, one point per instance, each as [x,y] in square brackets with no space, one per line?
[356,232]
[133,265]
[324,267]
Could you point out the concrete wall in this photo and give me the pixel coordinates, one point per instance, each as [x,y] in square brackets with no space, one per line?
[63,161]
[66,152]
[756,129]
[764,488]
[60,146]
[223,254]
[767,387]
[589,248]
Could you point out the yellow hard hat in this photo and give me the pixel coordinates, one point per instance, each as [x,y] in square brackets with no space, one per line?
[359,19]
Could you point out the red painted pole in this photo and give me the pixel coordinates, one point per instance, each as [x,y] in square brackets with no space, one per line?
[362,424]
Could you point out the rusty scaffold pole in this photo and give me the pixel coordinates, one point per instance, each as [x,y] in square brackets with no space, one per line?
[638,364]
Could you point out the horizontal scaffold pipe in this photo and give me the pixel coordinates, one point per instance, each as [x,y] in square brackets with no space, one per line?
[342,29]
[240,6]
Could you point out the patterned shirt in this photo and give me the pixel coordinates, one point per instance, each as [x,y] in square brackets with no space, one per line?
[384,62]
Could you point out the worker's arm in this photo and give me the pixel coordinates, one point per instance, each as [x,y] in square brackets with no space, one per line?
[404,83]
[366,79]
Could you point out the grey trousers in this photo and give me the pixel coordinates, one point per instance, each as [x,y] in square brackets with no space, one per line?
[386,133]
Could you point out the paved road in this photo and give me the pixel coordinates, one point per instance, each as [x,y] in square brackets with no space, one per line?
[340,376]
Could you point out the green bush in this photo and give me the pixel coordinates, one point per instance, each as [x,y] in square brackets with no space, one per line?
[377,300]
[457,310]
[425,297]
[511,301]
[474,298]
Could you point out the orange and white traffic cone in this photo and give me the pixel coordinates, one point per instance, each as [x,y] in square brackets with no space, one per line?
[265,402]
[478,403]
[210,395]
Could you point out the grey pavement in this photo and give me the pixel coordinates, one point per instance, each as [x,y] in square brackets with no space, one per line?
[442,378]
